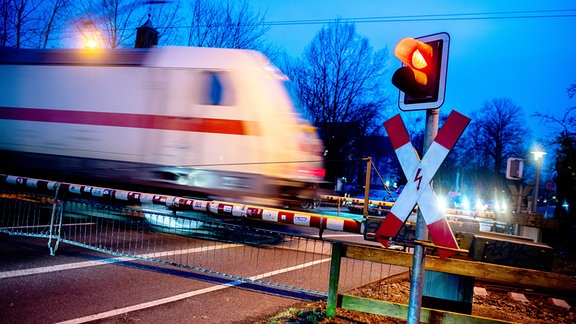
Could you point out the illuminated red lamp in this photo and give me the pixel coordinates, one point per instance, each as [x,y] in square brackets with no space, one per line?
[413,78]
[422,78]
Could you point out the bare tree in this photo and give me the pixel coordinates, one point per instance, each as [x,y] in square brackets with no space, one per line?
[338,81]
[114,22]
[110,22]
[499,130]
[6,32]
[24,13]
[18,20]
[564,126]
[30,23]
[563,140]
[477,163]
[51,18]
[227,24]
[165,17]
[571,91]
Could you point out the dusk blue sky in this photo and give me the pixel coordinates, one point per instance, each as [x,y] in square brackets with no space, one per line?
[523,50]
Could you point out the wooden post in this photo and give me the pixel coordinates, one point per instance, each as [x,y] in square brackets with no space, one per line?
[367,186]
[332,301]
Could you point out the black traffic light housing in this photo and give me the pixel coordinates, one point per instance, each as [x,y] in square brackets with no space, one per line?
[422,78]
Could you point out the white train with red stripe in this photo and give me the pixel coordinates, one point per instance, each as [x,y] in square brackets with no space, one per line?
[216,122]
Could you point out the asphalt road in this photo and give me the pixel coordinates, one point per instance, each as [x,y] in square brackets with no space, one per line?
[80,285]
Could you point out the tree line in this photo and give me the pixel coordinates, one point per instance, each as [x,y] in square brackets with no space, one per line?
[113,23]
[340,83]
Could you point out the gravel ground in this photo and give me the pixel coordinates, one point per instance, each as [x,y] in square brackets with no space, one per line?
[496,305]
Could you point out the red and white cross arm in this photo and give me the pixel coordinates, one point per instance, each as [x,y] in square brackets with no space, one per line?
[419,174]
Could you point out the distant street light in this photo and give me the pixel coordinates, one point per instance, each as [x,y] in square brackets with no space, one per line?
[91,37]
[90,43]
[538,154]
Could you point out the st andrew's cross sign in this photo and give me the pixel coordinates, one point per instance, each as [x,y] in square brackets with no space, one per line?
[419,174]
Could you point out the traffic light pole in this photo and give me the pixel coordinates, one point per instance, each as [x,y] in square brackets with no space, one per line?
[417,277]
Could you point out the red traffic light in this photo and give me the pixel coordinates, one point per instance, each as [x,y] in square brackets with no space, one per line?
[422,79]
[414,53]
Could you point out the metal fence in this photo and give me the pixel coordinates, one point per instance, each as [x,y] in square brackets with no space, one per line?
[221,246]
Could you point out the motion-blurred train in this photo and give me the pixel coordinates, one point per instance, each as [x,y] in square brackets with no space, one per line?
[211,122]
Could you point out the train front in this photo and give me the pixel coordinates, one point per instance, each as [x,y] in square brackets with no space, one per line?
[243,139]
[292,149]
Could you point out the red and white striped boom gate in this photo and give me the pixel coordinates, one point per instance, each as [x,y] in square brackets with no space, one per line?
[419,174]
[222,208]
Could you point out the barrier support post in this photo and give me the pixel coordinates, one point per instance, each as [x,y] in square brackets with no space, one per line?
[55,222]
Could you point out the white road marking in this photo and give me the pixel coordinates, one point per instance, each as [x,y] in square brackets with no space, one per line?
[78,265]
[170,299]
[115,312]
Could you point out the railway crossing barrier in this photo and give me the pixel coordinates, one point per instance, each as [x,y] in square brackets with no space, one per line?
[214,238]
[155,228]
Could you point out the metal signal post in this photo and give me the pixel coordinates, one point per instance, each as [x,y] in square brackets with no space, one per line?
[422,84]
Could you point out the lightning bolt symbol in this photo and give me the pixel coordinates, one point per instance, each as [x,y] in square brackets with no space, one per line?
[418,178]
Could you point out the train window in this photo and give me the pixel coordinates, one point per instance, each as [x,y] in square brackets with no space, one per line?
[216,92]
